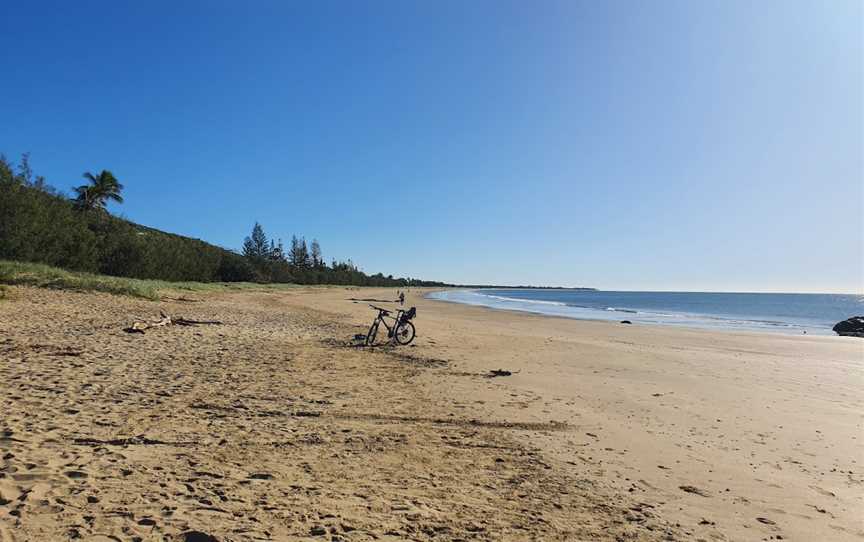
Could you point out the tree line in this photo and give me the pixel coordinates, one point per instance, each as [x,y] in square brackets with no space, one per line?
[304,263]
[41,224]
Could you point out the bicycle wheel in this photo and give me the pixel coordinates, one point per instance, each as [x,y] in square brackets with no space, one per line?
[373,330]
[405,333]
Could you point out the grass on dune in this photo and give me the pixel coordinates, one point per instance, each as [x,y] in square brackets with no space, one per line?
[45,276]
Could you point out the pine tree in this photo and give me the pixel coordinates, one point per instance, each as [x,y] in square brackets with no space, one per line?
[299,252]
[255,247]
[304,252]
[297,256]
[317,258]
[24,170]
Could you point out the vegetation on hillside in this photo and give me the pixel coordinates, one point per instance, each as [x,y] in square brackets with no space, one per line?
[41,225]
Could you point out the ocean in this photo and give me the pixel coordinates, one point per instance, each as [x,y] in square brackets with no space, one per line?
[784,313]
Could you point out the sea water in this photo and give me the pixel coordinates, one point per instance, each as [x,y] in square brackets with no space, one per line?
[788,313]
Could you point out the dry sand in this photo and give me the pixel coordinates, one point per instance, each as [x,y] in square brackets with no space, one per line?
[270,427]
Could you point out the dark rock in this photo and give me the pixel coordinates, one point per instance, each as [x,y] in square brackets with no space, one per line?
[852,327]
[197,536]
[317,531]
[626,322]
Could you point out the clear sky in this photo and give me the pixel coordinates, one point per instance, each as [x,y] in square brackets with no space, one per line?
[692,145]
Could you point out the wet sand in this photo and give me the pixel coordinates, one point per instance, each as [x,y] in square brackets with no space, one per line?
[271,427]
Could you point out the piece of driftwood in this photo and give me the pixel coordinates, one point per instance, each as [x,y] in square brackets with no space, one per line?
[186,322]
[501,372]
[165,320]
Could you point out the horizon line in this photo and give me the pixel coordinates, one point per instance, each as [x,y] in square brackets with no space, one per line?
[590,288]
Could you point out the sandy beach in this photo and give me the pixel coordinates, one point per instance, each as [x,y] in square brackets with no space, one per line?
[271,426]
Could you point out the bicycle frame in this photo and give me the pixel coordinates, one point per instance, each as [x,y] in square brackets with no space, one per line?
[381,318]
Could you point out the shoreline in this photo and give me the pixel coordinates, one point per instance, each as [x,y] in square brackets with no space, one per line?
[772,330]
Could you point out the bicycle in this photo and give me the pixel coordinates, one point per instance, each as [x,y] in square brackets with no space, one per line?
[402,331]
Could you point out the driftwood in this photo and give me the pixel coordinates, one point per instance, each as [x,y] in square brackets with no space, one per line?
[501,372]
[165,320]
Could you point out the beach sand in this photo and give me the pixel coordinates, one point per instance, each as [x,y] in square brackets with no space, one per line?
[271,427]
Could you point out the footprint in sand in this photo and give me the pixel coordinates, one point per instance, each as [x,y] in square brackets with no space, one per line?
[9,494]
[695,490]
[821,491]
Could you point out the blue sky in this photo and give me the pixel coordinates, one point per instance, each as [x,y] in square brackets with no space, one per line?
[711,145]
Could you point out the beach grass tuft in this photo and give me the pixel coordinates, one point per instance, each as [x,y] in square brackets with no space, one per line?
[46,276]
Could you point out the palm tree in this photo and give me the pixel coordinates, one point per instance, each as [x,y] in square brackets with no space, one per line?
[102,188]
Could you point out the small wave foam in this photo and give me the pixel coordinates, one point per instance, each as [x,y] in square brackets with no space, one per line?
[613,313]
[532,301]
